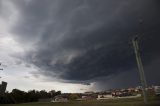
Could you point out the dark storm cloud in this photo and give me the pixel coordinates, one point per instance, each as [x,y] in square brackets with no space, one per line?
[79,40]
[3,13]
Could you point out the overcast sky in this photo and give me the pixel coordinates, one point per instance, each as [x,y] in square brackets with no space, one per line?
[78,45]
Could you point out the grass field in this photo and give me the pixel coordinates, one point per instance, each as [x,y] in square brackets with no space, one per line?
[118,102]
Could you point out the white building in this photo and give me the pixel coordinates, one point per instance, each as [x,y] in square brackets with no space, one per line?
[59,98]
[157,90]
[105,96]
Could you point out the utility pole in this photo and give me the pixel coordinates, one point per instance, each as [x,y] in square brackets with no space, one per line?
[0,65]
[140,68]
[1,69]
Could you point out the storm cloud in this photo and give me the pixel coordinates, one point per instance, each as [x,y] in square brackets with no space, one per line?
[85,40]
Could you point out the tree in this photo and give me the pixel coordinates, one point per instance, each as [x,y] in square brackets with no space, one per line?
[18,95]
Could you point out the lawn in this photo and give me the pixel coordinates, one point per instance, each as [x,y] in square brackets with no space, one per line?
[122,102]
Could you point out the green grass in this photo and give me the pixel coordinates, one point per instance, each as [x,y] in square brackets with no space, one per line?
[115,102]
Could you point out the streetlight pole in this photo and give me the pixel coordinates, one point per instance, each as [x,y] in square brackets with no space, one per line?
[140,68]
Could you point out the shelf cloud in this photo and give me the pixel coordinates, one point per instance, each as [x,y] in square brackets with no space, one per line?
[86,40]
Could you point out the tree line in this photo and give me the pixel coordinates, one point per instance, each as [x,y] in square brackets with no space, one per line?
[19,96]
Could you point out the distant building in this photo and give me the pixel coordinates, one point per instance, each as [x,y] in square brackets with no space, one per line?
[89,93]
[157,90]
[59,98]
[88,97]
[105,96]
[3,87]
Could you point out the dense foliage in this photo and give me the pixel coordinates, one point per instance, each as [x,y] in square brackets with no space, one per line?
[18,96]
